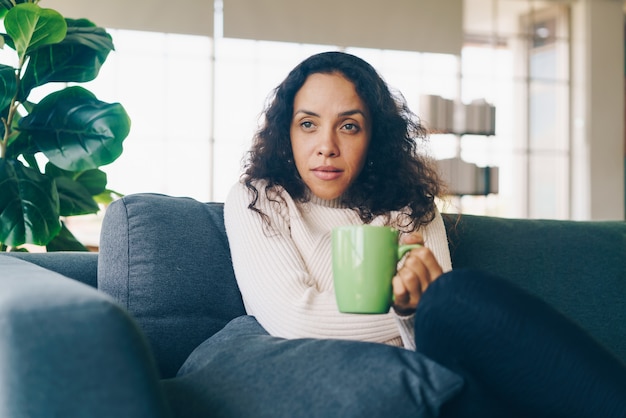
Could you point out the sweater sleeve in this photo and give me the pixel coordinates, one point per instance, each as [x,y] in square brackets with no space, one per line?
[436,238]
[277,287]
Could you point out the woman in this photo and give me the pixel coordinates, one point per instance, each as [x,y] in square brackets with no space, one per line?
[336,148]
[334,152]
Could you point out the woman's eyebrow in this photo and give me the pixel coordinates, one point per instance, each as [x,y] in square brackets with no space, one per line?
[306,112]
[351,112]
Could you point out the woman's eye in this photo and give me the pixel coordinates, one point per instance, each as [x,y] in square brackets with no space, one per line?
[351,127]
[307,124]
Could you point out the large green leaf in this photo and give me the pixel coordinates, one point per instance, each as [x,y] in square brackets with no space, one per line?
[77,190]
[75,130]
[86,33]
[78,58]
[31,27]
[8,85]
[21,144]
[95,181]
[6,5]
[29,205]
[107,197]
[74,198]
[65,241]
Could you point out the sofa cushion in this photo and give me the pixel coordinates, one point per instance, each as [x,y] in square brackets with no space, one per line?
[167,261]
[576,266]
[242,372]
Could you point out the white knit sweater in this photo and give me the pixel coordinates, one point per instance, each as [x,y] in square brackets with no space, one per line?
[285,273]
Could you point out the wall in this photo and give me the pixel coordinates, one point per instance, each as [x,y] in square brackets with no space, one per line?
[598,110]
[192,17]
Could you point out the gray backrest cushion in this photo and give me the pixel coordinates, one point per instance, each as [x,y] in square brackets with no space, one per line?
[167,261]
[578,267]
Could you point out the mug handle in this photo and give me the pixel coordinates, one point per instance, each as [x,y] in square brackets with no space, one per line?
[403,249]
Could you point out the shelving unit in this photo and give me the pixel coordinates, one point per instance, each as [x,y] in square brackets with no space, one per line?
[445,116]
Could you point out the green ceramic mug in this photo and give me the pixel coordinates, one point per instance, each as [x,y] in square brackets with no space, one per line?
[365,259]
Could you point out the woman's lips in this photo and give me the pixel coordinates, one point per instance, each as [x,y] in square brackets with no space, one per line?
[327,172]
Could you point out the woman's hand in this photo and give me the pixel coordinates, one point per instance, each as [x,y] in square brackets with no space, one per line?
[419,270]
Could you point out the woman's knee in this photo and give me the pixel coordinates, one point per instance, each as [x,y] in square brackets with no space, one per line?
[465,288]
[466,302]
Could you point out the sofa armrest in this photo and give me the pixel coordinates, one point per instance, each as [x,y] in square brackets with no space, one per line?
[77,265]
[68,350]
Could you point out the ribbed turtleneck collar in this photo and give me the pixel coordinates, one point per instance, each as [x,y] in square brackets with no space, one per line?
[333,203]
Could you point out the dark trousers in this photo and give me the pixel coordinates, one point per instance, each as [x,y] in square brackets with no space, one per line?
[519,356]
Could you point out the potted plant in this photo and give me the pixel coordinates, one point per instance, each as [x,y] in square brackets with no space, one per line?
[51,151]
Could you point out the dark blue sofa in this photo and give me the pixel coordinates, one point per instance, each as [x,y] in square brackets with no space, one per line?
[103,335]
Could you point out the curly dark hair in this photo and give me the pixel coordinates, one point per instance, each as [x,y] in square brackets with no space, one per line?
[396,175]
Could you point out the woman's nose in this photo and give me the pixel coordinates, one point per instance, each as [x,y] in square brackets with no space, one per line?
[328,145]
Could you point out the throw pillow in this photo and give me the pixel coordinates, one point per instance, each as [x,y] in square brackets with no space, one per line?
[242,371]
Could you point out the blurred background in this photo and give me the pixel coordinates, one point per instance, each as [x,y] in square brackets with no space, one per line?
[194,76]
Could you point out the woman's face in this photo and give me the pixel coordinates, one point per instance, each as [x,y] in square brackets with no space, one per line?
[330,132]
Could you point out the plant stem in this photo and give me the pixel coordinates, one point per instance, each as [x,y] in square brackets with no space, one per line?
[7,132]
[3,143]
[8,122]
